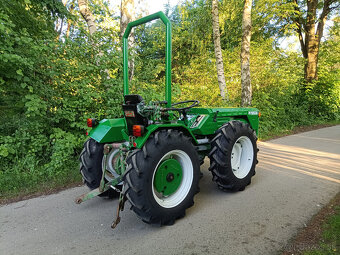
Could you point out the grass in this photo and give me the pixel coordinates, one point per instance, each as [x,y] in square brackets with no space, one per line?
[17,185]
[330,241]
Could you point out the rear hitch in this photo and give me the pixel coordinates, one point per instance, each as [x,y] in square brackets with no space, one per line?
[104,186]
[120,207]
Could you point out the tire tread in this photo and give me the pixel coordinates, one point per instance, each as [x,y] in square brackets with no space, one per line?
[222,145]
[134,180]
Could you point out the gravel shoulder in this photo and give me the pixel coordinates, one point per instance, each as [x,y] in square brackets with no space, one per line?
[296,176]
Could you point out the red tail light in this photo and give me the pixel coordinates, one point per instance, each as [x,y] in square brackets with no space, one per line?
[91,122]
[137,130]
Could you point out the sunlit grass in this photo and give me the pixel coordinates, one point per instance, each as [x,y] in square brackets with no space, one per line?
[330,242]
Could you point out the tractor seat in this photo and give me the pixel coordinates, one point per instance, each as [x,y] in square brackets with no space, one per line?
[131,114]
[133,99]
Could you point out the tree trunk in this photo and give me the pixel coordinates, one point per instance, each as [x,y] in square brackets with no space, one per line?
[59,27]
[69,22]
[312,60]
[310,41]
[87,15]
[218,51]
[246,95]
[127,14]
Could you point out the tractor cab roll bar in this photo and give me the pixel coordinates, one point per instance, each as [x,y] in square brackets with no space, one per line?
[166,21]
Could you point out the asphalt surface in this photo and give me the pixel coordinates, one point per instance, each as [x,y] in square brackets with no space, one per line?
[296,176]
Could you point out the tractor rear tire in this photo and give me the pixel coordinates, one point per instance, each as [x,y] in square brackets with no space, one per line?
[233,156]
[162,178]
[91,166]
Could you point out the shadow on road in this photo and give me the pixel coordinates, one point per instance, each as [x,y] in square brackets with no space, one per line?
[293,159]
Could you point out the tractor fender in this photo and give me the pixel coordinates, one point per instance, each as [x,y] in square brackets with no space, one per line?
[140,141]
[109,130]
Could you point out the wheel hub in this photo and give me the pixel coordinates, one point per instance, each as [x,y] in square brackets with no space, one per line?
[168,177]
[112,165]
[242,156]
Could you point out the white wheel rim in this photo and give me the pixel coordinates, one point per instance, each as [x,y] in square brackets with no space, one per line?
[242,156]
[185,186]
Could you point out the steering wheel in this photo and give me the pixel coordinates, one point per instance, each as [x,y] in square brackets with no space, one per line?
[172,108]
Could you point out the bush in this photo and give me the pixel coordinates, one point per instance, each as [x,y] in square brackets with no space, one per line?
[323,97]
[49,90]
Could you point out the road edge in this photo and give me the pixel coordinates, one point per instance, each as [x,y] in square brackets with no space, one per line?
[309,237]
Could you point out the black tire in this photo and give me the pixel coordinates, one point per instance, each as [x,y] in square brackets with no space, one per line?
[91,166]
[139,177]
[227,137]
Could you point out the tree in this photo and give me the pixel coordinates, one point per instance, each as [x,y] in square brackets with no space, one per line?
[87,15]
[69,21]
[218,51]
[245,55]
[127,14]
[59,26]
[309,27]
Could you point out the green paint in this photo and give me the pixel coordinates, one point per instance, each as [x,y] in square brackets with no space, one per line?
[152,128]
[98,191]
[125,134]
[114,130]
[166,21]
[214,118]
[109,130]
[168,177]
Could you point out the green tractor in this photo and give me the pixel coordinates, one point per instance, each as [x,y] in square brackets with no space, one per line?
[152,156]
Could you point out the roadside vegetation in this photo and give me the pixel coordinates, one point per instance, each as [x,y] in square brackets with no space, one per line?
[329,243]
[321,235]
[54,75]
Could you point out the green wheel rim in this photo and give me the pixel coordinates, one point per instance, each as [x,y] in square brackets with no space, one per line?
[168,177]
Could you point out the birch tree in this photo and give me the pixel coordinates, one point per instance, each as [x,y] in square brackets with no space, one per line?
[218,51]
[246,95]
[87,15]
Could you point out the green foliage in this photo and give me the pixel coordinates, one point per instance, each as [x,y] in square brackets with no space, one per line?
[49,88]
[323,97]
[324,94]
[50,83]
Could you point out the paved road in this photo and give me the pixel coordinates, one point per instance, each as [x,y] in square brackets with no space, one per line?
[296,176]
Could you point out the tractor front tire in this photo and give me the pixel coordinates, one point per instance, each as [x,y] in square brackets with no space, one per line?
[162,178]
[91,166]
[233,156]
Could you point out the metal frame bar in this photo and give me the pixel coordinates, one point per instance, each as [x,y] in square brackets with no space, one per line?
[166,21]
